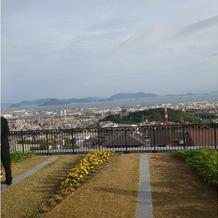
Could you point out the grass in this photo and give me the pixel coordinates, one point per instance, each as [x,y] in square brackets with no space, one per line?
[114,190]
[26,197]
[111,193]
[89,166]
[25,165]
[176,190]
[204,161]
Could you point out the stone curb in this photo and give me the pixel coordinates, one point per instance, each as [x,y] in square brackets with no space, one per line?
[28,173]
[144,206]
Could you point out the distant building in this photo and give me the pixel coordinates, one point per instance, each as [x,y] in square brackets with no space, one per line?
[201,137]
[125,140]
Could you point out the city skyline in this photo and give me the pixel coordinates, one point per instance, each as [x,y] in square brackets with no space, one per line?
[66,49]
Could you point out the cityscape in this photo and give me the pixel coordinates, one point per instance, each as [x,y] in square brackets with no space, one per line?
[109,109]
[23,119]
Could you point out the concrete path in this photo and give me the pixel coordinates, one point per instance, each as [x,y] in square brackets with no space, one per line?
[28,173]
[144,206]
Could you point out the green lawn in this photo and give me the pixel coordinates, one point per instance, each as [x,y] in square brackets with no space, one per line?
[34,190]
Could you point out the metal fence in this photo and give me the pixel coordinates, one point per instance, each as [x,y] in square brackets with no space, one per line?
[162,138]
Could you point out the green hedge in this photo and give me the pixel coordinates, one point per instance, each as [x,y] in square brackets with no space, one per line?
[203,161]
[17,156]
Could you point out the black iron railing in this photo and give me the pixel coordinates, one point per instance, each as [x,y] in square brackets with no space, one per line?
[123,139]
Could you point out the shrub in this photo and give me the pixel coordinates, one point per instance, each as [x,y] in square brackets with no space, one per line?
[203,161]
[17,156]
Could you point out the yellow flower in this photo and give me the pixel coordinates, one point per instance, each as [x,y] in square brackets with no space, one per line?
[90,161]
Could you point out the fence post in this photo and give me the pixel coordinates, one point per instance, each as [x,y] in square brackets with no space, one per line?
[73,145]
[154,138]
[125,139]
[46,133]
[98,138]
[22,141]
[215,137]
[184,136]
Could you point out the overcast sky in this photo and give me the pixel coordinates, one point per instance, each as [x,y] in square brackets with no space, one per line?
[96,48]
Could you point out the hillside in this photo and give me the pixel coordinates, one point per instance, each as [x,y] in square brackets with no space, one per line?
[55,101]
[132,95]
[157,115]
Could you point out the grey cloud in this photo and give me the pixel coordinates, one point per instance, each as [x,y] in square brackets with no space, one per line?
[200,27]
[143,37]
[213,54]
[82,46]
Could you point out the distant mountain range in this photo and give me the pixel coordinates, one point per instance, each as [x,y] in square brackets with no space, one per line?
[181,94]
[132,95]
[55,101]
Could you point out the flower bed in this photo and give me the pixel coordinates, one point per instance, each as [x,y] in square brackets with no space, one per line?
[86,169]
[88,165]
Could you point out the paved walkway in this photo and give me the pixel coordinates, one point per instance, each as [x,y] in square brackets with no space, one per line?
[28,173]
[144,207]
